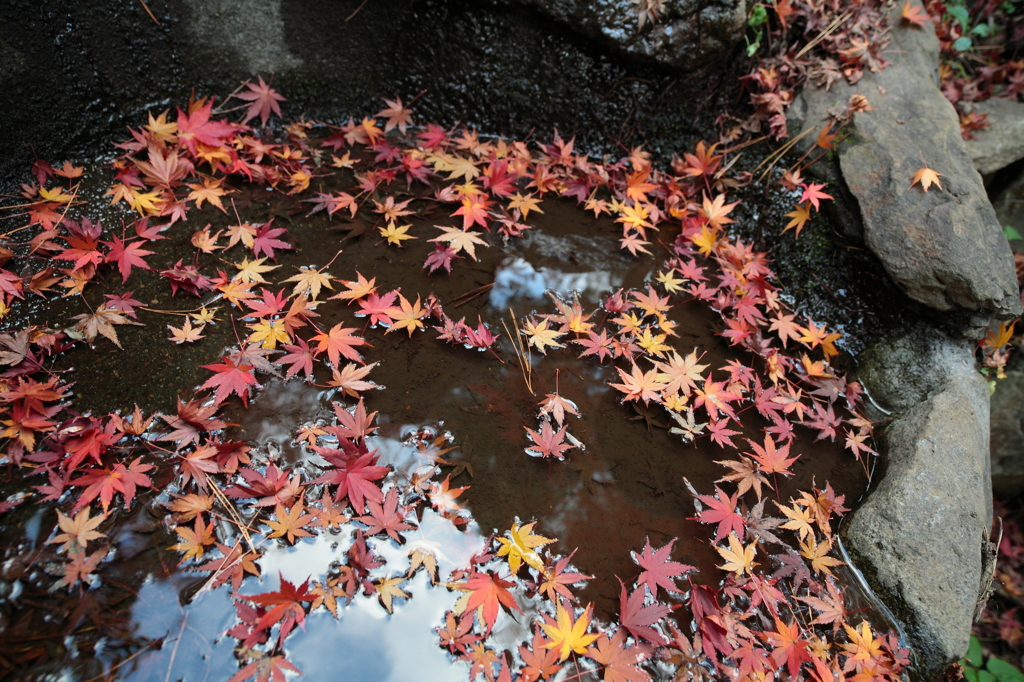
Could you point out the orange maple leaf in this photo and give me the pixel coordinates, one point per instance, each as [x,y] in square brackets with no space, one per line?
[927,177]
[914,14]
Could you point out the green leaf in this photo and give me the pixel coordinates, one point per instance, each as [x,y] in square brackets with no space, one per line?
[1012,232]
[962,44]
[758,16]
[753,47]
[960,14]
[974,655]
[1004,671]
[970,672]
[983,30]
[986,676]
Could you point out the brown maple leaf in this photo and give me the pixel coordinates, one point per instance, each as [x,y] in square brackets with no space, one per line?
[101,322]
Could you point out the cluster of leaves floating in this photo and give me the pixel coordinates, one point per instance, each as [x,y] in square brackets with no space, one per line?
[227,502]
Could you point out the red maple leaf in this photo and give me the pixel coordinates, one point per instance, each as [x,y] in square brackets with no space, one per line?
[490,592]
[127,255]
[230,378]
[539,661]
[265,240]
[379,308]
[197,128]
[915,14]
[638,619]
[386,516]
[658,570]
[270,488]
[353,426]
[264,101]
[723,512]
[192,419]
[789,646]
[354,477]
[287,609]
[812,193]
[299,358]
[440,257]
[103,483]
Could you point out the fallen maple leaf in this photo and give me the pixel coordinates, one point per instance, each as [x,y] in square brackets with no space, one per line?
[102,323]
[489,592]
[914,14]
[567,634]
[520,547]
[738,559]
[230,378]
[658,569]
[927,177]
[79,531]
[264,100]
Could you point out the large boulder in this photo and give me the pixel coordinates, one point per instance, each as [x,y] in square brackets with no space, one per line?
[921,537]
[1002,142]
[680,33]
[944,247]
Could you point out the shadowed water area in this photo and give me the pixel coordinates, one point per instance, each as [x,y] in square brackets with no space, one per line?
[602,501]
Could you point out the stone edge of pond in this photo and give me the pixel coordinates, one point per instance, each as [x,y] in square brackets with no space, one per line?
[921,535]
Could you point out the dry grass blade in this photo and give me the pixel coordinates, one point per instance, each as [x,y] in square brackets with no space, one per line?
[829,30]
[777,155]
[234,513]
[521,350]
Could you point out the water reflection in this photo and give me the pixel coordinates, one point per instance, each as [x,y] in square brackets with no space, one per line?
[518,278]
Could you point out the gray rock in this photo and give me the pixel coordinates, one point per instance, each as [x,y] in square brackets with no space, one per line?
[920,535]
[944,247]
[1007,435]
[1002,143]
[901,372]
[253,29]
[687,34]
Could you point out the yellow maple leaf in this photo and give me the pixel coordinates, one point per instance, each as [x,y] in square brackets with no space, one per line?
[525,204]
[540,336]
[818,554]
[520,546]
[460,240]
[567,635]
[310,279]
[738,559]
[395,234]
[269,333]
[388,589]
[252,270]
[1000,338]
